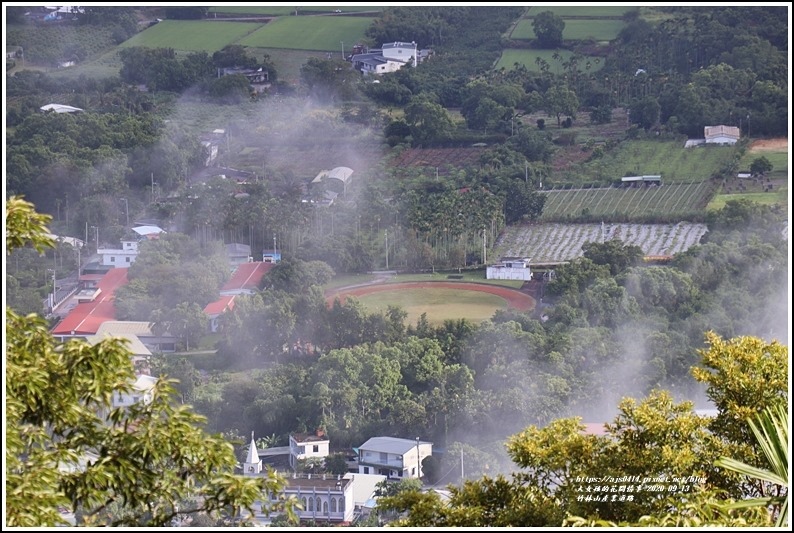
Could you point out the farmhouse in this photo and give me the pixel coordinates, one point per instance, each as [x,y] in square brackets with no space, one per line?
[510,268]
[721,134]
[390,58]
[335,180]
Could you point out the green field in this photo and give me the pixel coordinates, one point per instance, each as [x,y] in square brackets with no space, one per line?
[610,202]
[582,11]
[767,198]
[779,162]
[525,57]
[666,158]
[192,35]
[439,304]
[575,29]
[310,33]
[289,10]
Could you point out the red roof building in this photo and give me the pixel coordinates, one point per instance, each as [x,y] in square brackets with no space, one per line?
[246,278]
[86,317]
[215,309]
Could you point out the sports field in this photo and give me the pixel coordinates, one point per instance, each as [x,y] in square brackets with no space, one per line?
[310,33]
[439,300]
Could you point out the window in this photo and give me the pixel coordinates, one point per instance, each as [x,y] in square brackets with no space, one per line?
[303,501]
[315,448]
[128,259]
[384,457]
[366,468]
[311,504]
[112,258]
[333,505]
[318,505]
[341,505]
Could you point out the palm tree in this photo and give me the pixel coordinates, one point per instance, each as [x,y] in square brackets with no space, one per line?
[771,432]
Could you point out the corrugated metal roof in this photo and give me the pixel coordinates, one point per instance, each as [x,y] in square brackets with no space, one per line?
[86,318]
[219,306]
[390,445]
[247,276]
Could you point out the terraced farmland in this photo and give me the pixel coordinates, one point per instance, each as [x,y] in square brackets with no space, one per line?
[551,243]
[670,199]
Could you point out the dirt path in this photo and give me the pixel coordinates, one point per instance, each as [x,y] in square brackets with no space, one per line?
[515,298]
[769,145]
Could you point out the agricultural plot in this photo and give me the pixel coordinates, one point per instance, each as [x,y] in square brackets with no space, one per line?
[609,202]
[310,33]
[527,57]
[551,243]
[440,158]
[575,29]
[582,11]
[278,11]
[192,35]
[667,158]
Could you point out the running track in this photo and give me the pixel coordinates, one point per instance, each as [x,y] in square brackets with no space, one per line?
[515,298]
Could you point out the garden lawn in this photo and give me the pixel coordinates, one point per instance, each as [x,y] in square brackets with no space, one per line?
[192,35]
[310,33]
[779,197]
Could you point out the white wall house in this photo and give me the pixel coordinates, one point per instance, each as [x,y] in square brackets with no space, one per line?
[721,134]
[325,498]
[390,58]
[120,258]
[307,446]
[141,392]
[516,268]
[393,457]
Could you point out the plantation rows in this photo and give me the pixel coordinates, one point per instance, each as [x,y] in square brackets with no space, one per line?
[644,200]
[550,242]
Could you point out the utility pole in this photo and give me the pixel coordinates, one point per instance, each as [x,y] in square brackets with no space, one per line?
[126,210]
[461,463]
[343,50]
[387,248]
[484,250]
[418,463]
[274,247]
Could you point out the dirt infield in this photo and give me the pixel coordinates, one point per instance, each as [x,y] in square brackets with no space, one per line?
[769,145]
[515,299]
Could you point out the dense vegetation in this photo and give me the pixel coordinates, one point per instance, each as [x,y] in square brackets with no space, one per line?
[610,326]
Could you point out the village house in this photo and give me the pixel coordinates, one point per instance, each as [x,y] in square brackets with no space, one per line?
[390,58]
[307,446]
[393,457]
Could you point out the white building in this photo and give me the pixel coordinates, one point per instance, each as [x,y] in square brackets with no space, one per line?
[393,457]
[307,446]
[142,391]
[721,134]
[120,258]
[390,58]
[516,268]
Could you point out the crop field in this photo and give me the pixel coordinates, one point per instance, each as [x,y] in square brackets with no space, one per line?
[668,158]
[550,243]
[775,150]
[780,197]
[582,11]
[527,58]
[310,33]
[440,158]
[192,35]
[575,29]
[277,11]
[608,202]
